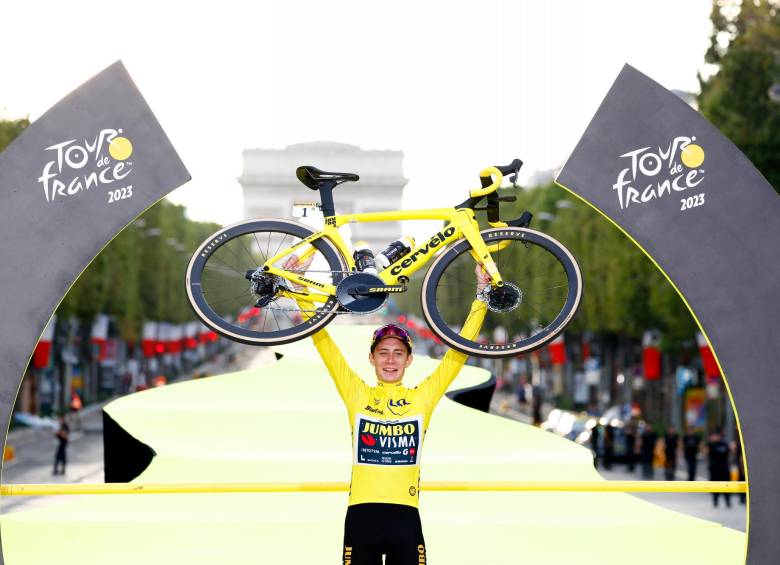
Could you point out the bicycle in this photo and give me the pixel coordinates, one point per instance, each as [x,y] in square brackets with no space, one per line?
[238,286]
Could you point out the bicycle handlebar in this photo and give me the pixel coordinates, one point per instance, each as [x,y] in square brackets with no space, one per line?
[486,177]
[511,168]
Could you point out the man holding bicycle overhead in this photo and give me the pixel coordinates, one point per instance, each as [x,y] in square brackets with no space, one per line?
[388,423]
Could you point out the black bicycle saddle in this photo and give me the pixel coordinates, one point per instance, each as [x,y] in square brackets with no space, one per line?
[313,177]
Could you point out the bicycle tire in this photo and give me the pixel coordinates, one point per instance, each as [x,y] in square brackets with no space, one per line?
[231,252]
[530,249]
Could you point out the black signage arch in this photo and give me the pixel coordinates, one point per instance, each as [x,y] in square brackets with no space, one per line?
[70,183]
[682,192]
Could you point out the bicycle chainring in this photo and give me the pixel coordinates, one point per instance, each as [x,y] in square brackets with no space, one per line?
[360,303]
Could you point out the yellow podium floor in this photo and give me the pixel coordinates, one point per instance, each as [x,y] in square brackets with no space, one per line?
[286,423]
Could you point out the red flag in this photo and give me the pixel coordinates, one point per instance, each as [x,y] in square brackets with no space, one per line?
[148,340]
[43,348]
[100,334]
[710,365]
[557,350]
[651,355]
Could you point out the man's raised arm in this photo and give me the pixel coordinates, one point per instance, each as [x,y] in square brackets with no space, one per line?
[348,383]
[435,385]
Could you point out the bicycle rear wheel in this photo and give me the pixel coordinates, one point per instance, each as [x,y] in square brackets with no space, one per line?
[226,298]
[541,293]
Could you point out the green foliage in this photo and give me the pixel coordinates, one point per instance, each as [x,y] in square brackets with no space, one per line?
[745,45]
[140,273]
[9,129]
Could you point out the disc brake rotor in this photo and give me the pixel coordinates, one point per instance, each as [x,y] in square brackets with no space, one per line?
[504,298]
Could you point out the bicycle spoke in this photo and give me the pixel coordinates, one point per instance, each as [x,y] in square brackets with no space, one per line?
[278,247]
[236,297]
[259,247]
[214,259]
[246,250]
[229,248]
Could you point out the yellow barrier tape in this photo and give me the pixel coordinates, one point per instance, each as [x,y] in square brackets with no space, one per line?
[518,486]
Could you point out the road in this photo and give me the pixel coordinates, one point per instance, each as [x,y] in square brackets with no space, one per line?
[694,504]
[35,448]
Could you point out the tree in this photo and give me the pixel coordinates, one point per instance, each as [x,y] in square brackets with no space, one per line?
[9,129]
[745,48]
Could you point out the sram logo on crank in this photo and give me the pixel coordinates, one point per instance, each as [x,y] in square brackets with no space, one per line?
[350,293]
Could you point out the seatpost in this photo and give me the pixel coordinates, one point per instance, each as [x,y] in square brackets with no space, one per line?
[326,198]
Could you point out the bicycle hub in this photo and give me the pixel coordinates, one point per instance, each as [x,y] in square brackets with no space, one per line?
[504,298]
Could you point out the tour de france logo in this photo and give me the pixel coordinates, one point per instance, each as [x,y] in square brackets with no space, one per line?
[651,173]
[78,165]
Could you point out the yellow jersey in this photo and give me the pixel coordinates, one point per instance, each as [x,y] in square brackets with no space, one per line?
[389,421]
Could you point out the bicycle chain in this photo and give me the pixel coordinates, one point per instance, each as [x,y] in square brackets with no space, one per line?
[337,312]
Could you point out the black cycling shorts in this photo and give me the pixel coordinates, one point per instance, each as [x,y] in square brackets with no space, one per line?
[374,529]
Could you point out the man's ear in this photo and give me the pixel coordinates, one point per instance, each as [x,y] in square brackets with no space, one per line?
[371,359]
[409,360]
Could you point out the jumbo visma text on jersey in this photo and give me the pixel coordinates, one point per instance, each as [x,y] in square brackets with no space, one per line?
[387,443]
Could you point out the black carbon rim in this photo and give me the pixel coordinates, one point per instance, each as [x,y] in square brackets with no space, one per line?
[543,269]
[220,294]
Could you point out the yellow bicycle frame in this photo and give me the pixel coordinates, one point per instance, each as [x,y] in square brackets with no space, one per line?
[460,223]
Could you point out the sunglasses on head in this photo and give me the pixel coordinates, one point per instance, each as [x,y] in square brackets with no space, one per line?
[391,330]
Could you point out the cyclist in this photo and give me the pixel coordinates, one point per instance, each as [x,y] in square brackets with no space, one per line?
[388,423]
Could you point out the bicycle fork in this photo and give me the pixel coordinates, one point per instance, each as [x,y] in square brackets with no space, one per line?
[469,227]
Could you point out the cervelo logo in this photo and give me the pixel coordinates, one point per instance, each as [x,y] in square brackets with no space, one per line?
[78,165]
[655,172]
[432,243]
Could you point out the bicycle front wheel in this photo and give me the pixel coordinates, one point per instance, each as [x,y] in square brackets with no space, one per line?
[541,293]
[257,310]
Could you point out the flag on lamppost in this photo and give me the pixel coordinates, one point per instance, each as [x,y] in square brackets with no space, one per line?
[710,366]
[42,354]
[651,355]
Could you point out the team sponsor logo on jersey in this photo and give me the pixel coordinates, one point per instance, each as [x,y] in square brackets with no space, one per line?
[399,407]
[387,443]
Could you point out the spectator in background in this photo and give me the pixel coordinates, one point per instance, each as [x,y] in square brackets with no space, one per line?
[594,443]
[609,446]
[60,457]
[740,467]
[691,443]
[536,403]
[671,447]
[647,450]
[75,407]
[630,446]
[718,458]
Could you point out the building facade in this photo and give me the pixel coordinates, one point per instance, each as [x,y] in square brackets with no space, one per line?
[270,186]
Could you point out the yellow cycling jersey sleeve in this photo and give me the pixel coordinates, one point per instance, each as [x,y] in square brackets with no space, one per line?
[348,383]
[435,385]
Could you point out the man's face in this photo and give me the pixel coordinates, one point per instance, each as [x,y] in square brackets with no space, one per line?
[390,359]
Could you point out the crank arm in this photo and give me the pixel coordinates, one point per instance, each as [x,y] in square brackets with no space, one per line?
[365,289]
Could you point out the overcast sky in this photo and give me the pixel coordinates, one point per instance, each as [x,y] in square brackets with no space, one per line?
[455,88]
